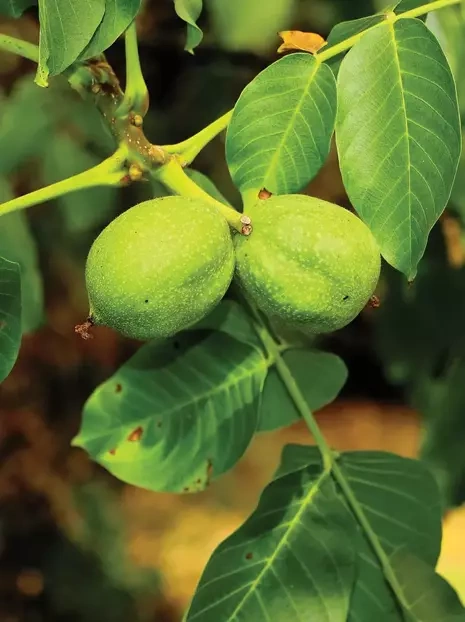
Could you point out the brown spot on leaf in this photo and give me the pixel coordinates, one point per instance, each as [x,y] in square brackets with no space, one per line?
[246,230]
[249,556]
[264,194]
[112,452]
[185,489]
[118,388]
[2,324]
[159,424]
[136,435]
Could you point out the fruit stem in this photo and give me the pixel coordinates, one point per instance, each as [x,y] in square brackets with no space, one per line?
[274,350]
[136,95]
[188,149]
[110,172]
[177,181]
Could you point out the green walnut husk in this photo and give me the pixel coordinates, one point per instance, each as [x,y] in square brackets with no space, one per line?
[308,264]
[159,267]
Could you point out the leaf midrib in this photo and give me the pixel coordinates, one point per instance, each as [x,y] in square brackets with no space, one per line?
[314,489]
[216,389]
[290,125]
[407,136]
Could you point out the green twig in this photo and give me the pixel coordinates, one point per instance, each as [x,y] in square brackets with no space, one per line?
[20,47]
[136,95]
[188,149]
[110,172]
[175,179]
[343,46]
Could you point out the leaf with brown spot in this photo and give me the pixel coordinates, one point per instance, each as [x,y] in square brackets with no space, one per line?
[136,435]
[302,41]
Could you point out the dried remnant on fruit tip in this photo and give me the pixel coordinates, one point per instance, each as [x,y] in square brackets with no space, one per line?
[314,272]
[149,276]
[84,329]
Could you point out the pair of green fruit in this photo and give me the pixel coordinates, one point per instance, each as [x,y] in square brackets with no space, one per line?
[164,264]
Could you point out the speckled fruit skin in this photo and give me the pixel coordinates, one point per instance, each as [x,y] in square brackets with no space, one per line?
[159,267]
[307,264]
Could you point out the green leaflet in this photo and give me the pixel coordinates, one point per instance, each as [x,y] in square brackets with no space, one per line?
[398,136]
[319,375]
[66,28]
[118,16]
[10,315]
[177,413]
[271,568]
[401,503]
[345,30]
[280,132]
[189,11]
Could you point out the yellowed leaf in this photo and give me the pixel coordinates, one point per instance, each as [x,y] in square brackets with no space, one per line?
[298,40]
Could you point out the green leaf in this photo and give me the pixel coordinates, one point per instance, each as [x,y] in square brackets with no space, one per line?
[398,136]
[408,5]
[65,30]
[293,559]
[176,413]
[235,23]
[319,375]
[400,500]
[10,315]
[119,14]
[427,596]
[15,8]
[18,245]
[230,317]
[280,132]
[85,209]
[189,11]
[345,30]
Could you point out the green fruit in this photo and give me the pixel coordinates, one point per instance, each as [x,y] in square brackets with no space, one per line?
[307,264]
[159,267]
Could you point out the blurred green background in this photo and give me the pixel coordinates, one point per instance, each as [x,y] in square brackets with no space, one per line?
[77,545]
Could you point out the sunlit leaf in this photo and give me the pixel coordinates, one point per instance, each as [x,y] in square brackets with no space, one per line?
[177,413]
[293,559]
[118,16]
[10,315]
[189,11]
[319,375]
[398,136]
[280,132]
[298,40]
[66,28]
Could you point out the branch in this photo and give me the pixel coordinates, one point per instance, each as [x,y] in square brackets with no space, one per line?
[20,47]
[190,148]
[110,172]
[136,95]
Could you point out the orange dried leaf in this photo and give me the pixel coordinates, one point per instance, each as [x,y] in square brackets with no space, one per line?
[298,40]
